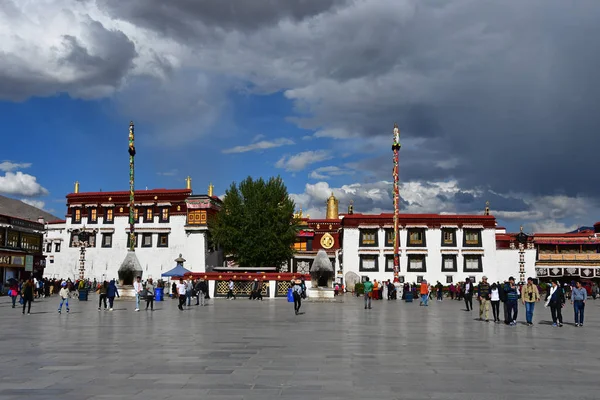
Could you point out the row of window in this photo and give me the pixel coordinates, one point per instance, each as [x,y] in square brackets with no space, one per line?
[107,240]
[418,263]
[109,216]
[449,279]
[416,237]
[21,240]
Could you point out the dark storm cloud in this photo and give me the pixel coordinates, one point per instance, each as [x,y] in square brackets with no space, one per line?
[187,18]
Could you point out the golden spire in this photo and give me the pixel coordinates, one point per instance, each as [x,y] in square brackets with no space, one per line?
[188,183]
[332,207]
[210,189]
[76,187]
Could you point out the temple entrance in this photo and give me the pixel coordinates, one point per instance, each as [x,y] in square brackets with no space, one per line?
[323,280]
[126,277]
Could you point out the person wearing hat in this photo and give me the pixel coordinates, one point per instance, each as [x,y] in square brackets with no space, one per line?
[64,297]
[297,293]
[556,301]
[530,296]
[512,301]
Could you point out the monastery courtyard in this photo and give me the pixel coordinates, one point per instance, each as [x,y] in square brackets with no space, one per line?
[251,350]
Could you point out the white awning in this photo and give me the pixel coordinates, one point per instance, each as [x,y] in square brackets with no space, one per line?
[469,226]
[107,205]
[449,226]
[167,204]
[368,226]
[417,226]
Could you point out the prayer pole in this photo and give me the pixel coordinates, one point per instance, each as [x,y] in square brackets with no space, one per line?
[396,149]
[131,187]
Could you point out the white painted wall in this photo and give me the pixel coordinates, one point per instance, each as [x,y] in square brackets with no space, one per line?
[498,265]
[104,263]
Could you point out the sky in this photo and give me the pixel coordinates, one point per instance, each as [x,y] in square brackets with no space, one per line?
[496,101]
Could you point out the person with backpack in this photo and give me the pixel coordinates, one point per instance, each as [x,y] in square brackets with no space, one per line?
[64,297]
[13,292]
[102,291]
[368,291]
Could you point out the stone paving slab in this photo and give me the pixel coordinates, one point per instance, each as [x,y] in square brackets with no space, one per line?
[247,350]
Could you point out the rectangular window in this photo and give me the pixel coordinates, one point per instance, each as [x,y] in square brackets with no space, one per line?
[48,247]
[449,279]
[12,240]
[368,238]
[135,244]
[164,215]
[416,263]
[92,241]
[74,240]
[109,216]
[369,263]
[300,246]
[136,215]
[149,216]
[472,238]
[448,237]
[401,278]
[93,216]
[389,263]
[449,263]
[389,238]
[31,242]
[416,238]
[163,240]
[107,239]
[57,247]
[473,263]
[147,240]
[76,215]
[419,278]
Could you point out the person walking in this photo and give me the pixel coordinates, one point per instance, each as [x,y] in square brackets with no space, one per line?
[137,288]
[424,292]
[495,300]
[530,295]
[230,294]
[27,292]
[512,301]
[254,290]
[451,290]
[368,291]
[468,294]
[102,291]
[64,297]
[13,292]
[181,290]
[483,295]
[111,292]
[150,294]
[440,291]
[297,293]
[556,301]
[202,288]
[578,298]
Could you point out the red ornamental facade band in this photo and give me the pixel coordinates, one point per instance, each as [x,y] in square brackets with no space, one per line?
[396,149]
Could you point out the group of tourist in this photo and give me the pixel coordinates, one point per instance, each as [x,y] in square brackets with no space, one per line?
[185,290]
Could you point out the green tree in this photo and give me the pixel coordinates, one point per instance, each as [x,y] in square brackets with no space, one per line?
[256,224]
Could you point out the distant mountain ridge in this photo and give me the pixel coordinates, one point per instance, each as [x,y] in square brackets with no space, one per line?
[18,209]
[583,229]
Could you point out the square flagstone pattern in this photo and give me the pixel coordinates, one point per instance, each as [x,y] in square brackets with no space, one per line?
[260,350]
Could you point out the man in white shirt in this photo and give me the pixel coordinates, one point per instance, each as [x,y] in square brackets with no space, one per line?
[137,288]
[182,290]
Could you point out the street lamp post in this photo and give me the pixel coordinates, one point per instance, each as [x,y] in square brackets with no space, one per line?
[522,238]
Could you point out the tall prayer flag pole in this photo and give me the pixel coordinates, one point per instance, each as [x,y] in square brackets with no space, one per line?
[396,149]
[131,187]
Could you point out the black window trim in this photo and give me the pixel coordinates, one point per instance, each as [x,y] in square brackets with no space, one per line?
[160,215]
[423,232]
[385,237]
[145,235]
[360,239]
[453,230]
[454,257]
[479,243]
[104,236]
[423,256]
[160,235]
[90,221]
[385,267]
[146,220]
[479,257]
[368,256]
[57,247]
[105,216]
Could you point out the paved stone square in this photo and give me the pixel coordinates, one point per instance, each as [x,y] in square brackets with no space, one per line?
[260,350]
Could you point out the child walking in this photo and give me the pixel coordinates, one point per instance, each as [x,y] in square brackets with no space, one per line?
[64,297]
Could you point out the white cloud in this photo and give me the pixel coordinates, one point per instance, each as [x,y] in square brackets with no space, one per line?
[35,203]
[262,145]
[326,172]
[550,227]
[258,137]
[8,166]
[21,184]
[172,172]
[300,161]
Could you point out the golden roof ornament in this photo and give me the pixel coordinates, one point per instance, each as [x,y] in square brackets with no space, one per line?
[210,189]
[332,207]
[188,183]
[487,208]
